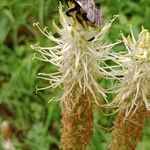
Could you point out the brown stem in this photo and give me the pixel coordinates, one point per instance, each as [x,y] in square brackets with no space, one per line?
[77,123]
[127,133]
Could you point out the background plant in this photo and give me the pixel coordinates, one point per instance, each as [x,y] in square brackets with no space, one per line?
[35,122]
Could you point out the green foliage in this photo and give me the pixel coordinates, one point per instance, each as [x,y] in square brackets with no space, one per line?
[36,122]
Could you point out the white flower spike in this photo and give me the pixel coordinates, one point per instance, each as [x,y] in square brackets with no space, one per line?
[135,87]
[78,54]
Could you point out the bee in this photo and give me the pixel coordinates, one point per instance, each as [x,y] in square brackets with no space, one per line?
[85,11]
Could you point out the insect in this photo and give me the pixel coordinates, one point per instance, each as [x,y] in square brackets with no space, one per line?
[85,10]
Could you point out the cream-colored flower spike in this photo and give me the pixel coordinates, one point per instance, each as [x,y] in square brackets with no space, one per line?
[135,86]
[133,98]
[78,54]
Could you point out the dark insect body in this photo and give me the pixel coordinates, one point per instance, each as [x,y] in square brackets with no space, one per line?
[85,11]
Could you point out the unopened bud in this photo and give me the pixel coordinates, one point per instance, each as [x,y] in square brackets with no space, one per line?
[6,130]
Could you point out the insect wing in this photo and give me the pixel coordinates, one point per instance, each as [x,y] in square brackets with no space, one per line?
[98,17]
[93,13]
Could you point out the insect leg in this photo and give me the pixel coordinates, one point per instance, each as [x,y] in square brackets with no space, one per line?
[71,11]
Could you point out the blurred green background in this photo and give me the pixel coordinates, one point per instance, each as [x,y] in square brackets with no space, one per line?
[35,122]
